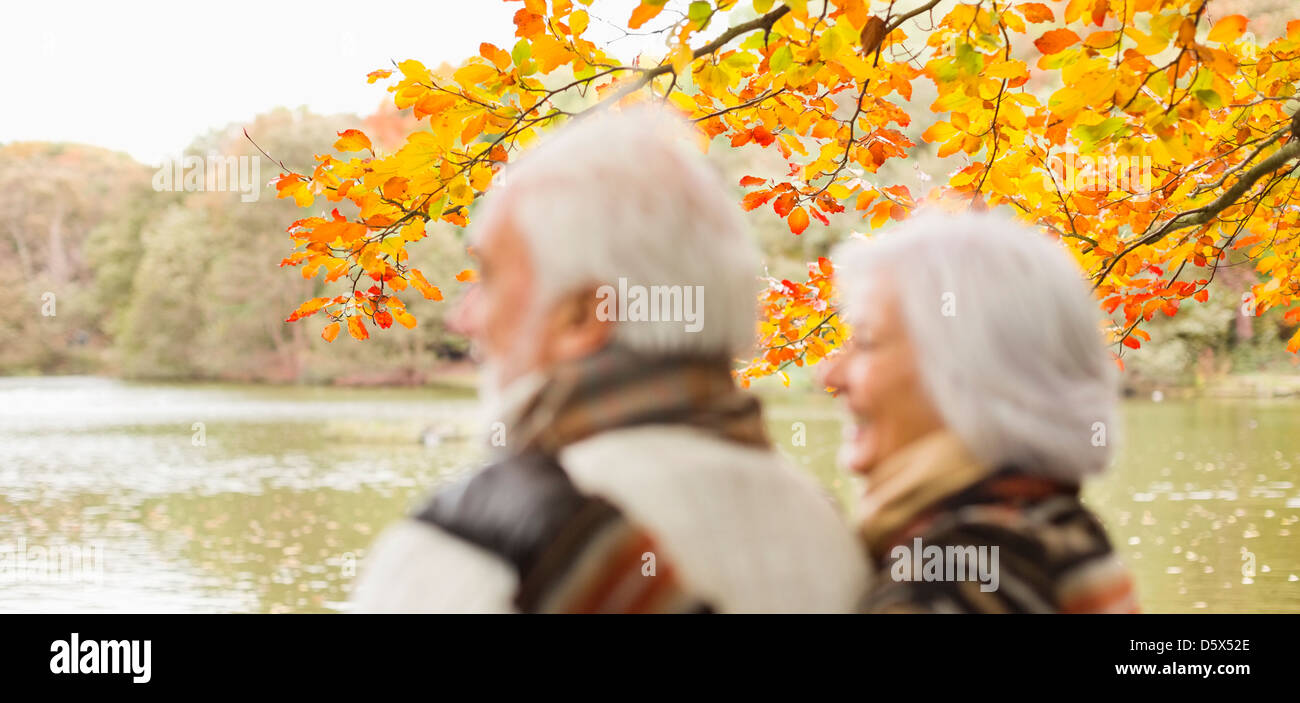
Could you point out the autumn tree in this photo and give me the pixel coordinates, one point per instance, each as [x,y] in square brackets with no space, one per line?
[1152,137]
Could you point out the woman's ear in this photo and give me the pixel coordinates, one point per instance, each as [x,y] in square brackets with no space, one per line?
[578,329]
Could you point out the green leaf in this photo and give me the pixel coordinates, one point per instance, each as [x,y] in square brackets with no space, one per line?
[1210,98]
[781,58]
[830,44]
[522,51]
[1092,134]
[970,60]
[699,12]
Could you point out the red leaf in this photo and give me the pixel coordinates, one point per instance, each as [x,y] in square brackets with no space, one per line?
[784,204]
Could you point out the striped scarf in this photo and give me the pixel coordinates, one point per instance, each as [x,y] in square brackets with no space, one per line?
[617,388]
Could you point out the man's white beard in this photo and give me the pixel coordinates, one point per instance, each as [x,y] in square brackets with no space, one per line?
[501,402]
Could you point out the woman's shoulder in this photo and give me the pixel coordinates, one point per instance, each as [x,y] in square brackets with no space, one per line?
[1036,549]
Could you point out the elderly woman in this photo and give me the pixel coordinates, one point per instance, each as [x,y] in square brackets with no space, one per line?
[981,397]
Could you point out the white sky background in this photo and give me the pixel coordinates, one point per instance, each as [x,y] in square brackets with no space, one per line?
[147,76]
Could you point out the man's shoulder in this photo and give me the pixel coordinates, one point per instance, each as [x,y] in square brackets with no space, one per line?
[687,466]
[670,445]
[514,508]
[748,529]
[415,567]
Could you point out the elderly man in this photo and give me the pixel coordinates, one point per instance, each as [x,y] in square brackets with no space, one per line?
[617,284]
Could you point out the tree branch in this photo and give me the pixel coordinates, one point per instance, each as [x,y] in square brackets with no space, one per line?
[1203,215]
[764,22]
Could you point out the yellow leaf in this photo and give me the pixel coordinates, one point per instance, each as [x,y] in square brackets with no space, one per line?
[578,22]
[473,74]
[680,59]
[1228,29]
[939,132]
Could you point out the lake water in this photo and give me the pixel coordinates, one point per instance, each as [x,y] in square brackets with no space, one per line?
[263,499]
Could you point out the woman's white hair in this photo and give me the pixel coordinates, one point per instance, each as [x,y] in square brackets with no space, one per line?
[1006,334]
[628,195]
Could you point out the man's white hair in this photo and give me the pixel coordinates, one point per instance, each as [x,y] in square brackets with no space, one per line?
[628,195]
[1006,334]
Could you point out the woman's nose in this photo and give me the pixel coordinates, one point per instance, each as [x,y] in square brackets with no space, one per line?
[828,371]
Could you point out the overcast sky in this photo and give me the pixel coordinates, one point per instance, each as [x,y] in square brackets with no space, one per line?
[147,76]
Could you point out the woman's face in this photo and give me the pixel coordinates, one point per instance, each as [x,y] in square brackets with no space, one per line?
[877,377]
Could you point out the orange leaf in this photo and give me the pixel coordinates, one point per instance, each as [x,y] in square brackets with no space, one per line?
[417,279]
[357,328]
[528,24]
[307,309]
[1056,41]
[748,181]
[798,220]
[644,13]
[384,319]
[330,332]
[467,276]
[352,140]
[755,199]
[499,57]
[1036,12]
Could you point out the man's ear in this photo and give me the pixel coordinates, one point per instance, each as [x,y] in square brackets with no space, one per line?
[577,327]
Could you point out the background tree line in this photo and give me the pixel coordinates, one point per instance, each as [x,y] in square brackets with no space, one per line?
[178,285]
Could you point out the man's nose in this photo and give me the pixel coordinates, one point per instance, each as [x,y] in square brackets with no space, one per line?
[462,318]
